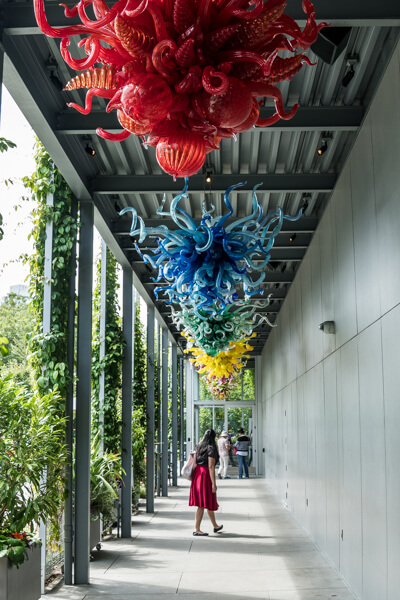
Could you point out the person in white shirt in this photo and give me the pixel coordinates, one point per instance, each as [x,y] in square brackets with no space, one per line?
[223,451]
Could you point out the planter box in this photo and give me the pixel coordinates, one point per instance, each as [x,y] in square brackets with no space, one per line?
[23,583]
[94,533]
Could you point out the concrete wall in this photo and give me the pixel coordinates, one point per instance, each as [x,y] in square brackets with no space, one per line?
[331,403]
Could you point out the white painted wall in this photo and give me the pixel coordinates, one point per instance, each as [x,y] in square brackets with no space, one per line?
[331,403]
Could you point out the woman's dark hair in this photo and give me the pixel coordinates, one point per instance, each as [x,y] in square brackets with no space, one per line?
[241,430]
[207,441]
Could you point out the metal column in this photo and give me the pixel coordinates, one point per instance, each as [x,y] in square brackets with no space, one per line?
[46,322]
[164,413]
[102,348]
[127,379]
[150,412]
[69,413]
[181,415]
[83,395]
[174,376]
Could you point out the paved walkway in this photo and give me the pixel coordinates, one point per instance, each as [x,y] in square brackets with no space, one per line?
[262,553]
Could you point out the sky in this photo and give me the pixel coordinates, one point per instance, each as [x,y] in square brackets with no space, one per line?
[15,164]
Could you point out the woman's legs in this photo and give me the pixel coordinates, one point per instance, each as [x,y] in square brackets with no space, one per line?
[211,515]
[198,519]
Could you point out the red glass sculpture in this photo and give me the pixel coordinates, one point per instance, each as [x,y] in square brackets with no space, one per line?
[184,73]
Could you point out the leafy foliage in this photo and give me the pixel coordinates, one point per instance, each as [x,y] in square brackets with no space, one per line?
[4,146]
[15,546]
[112,362]
[139,405]
[48,352]
[32,455]
[16,321]
[105,476]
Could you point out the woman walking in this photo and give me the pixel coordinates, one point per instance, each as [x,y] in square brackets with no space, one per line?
[203,490]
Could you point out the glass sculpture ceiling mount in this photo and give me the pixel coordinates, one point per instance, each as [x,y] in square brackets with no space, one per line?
[182,74]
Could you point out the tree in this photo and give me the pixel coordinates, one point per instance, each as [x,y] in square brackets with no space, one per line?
[16,321]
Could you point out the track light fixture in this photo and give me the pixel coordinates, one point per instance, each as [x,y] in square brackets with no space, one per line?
[276,285]
[292,237]
[304,206]
[323,148]
[350,72]
[209,172]
[326,137]
[51,66]
[90,150]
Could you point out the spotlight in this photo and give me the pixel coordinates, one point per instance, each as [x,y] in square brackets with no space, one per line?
[350,72]
[292,237]
[56,81]
[208,179]
[348,76]
[90,150]
[306,198]
[323,148]
[276,285]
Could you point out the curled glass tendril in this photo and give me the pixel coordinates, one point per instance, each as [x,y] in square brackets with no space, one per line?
[204,265]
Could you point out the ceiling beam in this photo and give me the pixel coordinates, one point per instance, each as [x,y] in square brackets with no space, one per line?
[270,277]
[277,254]
[305,225]
[307,118]
[277,182]
[19,18]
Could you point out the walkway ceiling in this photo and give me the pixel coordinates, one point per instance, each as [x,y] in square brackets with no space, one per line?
[283,157]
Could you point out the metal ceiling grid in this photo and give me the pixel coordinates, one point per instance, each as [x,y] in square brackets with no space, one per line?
[283,156]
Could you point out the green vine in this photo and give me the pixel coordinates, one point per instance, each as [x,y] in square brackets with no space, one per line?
[48,351]
[112,361]
[139,406]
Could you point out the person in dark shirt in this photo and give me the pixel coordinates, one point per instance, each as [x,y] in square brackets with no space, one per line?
[242,446]
[203,490]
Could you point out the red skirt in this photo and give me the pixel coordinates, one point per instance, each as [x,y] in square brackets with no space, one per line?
[201,494]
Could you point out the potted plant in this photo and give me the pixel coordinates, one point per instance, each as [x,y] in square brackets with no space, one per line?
[105,480]
[32,458]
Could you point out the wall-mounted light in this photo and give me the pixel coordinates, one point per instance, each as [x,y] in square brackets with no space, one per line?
[351,61]
[328,327]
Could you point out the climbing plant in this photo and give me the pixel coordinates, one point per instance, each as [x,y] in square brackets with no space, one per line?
[4,146]
[139,405]
[48,351]
[112,361]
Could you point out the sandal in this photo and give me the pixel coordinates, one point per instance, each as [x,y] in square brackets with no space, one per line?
[196,533]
